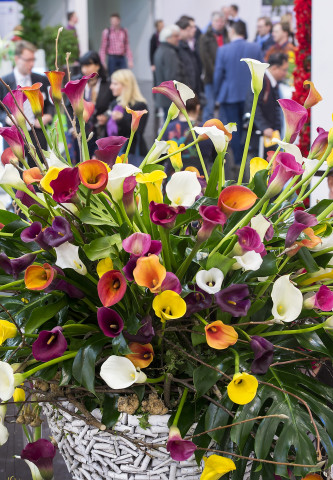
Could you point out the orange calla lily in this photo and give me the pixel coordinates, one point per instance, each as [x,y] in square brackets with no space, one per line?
[39,277]
[312,476]
[310,242]
[220,336]
[218,124]
[32,175]
[142,355]
[149,273]
[136,117]
[35,97]
[236,198]
[94,175]
[313,97]
[55,79]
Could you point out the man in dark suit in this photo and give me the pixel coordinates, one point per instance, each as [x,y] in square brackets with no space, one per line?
[232,79]
[264,35]
[234,17]
[22,75]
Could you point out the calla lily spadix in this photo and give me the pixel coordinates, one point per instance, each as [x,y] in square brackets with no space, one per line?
[119,372]
[210,281]
[183,188]
[287,300]
[216,135]
[117,176]
[251,260]
[257,70]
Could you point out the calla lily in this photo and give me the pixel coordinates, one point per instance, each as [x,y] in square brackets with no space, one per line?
[287,300]
[236,198]
[108,149]
[4,434]
[7,330]
[55,79]
[227,129]
[34,233]
[164,215]
[216,466]
[177,92]
[161,147]
[169,305]
[233,300]
[312,476]
[302,221]
[88,110]
[128,196]
[309,242]
[216,135]
[9,102]
[59,233]
[183,188]
[212,217]
[176,160]
[94,175]
[41,453]
[8,156]
[220,336]
[256,165]
[295,117]
[250,260]
[257,70]
[39,277]
[323,299]
[179,448]
[197,301]
[243,388]
[153,182]
[32,175]
[137,244]
[49,345]
[261,225]
[35,97]
[50,175]
[35,474]
[14,139]
[8,381]
[74,91]
[119,172]
[111,288]
[286,168]
[136,117]
[65,185]
[145,334]
[249,239]
[19,395]
[171,282]
[10,177]
[313,97]
[210,281]
[142,355]
[292,149]
[319,145]
[68,257]
[263,355]
[149,273]
[110,322]
[16,265]
[119,372]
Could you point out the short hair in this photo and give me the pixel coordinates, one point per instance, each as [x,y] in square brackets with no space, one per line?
[167,32]
[156,23]
[115,15]
[24,45]
[184,22]
[217,14]
[234,7]
[69,16]
[267,21]
[239,28]
[277,59]
[285,26]
[192,104]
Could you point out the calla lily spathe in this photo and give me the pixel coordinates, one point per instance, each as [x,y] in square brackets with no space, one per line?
[4,434]
[210,281]
[216,135]
[216,466]
[256,165]
[177,92]
[251,260]
[8,381]
[7,330]
[119,372]
[313,97]
[161,148]
[117,176]
[183,188]
[257,70]
[68,257]
[10,177]
[169,305]
[153,182]
[260,225]
[287,300]
[243,388]
[291,148]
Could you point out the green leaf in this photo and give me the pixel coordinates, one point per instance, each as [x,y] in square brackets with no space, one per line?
[204,377]
[151,168]
[267,268]
[110,411]
[101,247]
[217,417]
[312,341]
[139,391]
[93,217]
[84,363]
[320,207]
[307,260]
[8,217]
[221,262]
[211,189]
[196,338]
[260,183]
[39,214]
[42,314]
[119,345]
[202,441]
[66,372]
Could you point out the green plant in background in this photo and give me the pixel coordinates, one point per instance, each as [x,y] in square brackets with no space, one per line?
[31,28]
[68,43]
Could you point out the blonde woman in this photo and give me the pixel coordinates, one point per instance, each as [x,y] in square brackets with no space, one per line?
[126,91]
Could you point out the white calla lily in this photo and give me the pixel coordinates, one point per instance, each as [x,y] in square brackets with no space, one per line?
[326,242]
[161,147]
[257,70]
[10,177]
[3,430]
[8,381]
[183,188]
[260,225]
[308,165]
[287,300]
[184,91]
[249,261]
[53,160]
[68,257]
[216,135]
[231,127]
[119,372]
[290,148]
[35,473]
[117,176]
[210,281]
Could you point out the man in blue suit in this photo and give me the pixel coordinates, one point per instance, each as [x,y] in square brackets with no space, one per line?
[232,79]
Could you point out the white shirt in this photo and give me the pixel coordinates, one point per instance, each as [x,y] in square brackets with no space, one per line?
[25,81]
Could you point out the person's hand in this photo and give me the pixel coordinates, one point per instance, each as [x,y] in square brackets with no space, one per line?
[102,119]
[116,115]
[268,132]
[130,64]
[152,68]
[36,123]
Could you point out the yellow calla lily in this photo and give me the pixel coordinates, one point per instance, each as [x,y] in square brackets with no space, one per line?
[7,330]
[176,160]
[257,164]
[216,466]
[103,266]
[153,182]
[243,388]
[51,174]
[121,159]
[168,305]
[19,395]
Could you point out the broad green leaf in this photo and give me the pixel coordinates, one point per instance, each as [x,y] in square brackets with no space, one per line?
[84,362]
[217,417]
[307,260]
[93,217]
[8,217]
[260,183]
[202,441]
[196,337]
[221,262]
[110,411]
[42,314]
[101,247]
[119,345]
[204,377]
[312,341]
[320,207]
[267,268]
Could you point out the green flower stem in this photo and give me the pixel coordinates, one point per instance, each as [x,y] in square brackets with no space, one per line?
[221,172]
[184,266]
[84,138]
[23,208]
[28,138]
[274,156]
[156,380]
[291,332]
[88,198]
[27,433]
[158,160]
[159,343]
[201,319]
[321,252]
[180,407]
[139,222]
[4,234]
[203,166]
[308,193]
[286,190]
[160,135]
[325,213]
[27,374]
[124,214]
[243,333]
[248,138]
[129,143]
[34,196]
[37,432]
[166,249]
[63,133]
[11,284]
[42,126]
[91,278]
[313,288]
[89,303]
[236,359]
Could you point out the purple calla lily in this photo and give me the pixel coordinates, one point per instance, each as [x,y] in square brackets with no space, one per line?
[75,90]
[110,322]
[14,139]
[16,265]
[34,233]
[129,267]
[179,448]
[286,168]
[319,145]
[197,301]
[263,355]
[49,345]
[169,90]
[108,149]
[65,185]
[41,453]
[302,221]
[59,233]
[171,282]
[212,216]
[61,284]
[295,116]
[25,198]
[9,102]
[233,300]
[145,333]
[249,239]
[164,215]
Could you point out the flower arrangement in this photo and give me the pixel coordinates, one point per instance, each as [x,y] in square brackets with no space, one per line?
[215,295]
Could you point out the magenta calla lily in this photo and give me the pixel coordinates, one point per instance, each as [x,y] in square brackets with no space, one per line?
[9,102]
[75,90]
[49,345]
[302,221]
[137,244]
[41,453]
[179,448]
[171,282]
[164,215]
[248,239]
[108,149]
[169,90]
[319,144]
[65,185]
[14,139]
[286,168]
[322,300]
[25,198]
[212,217]
[295,116]
[128,196]
[110,322]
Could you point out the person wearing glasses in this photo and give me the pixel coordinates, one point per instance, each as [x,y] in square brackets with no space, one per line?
[23,76]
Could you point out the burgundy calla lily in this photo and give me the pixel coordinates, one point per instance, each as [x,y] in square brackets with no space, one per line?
[319,145]
[75,90]
[108,149]
[59,233]
[179,448]
[9,101]
[197,301]
[61,284]
[25,198]
[171,282]
[49,345]
[212,217]
[65,185]
[234,300]
[263,355]
[128,196]
[110,322]
[34,233]
[164,215]
[286,168]
[16,265]
[302,221]
[14,139]
[295,116]
[145,333]
[169,90]
[41,453]
[248,239]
